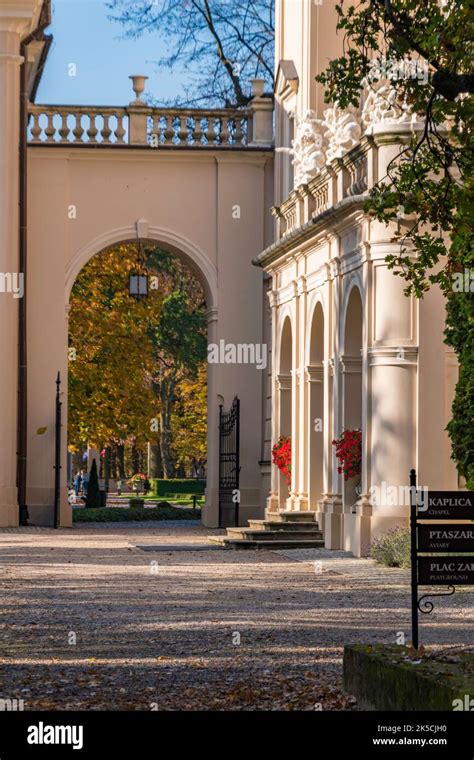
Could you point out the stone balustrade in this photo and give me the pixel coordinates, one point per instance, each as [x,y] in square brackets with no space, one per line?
[341,178]
[140,125]
[77,125]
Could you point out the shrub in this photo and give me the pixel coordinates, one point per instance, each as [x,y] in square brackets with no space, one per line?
[392,549]
[162,487]
[93,500]
[131,515]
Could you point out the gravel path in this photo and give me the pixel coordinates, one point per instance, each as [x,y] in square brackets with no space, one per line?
[90,621]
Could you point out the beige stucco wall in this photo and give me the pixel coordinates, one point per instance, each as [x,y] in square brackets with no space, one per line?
[184,201]
[17,21]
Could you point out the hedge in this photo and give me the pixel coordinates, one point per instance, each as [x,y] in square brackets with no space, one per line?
[131,515]
[162,487]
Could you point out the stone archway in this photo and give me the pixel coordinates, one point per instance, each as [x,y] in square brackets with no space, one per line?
[351,377]
[176,244]
[285,399]
[315,379]
[193,261]
[39,480]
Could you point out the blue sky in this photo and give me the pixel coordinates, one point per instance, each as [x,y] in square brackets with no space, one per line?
[83,35]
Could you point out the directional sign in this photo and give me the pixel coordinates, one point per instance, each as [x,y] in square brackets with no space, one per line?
[446,537]
[445,505]
[441,571]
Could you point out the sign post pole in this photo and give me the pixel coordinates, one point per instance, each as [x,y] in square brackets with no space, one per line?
[414,561]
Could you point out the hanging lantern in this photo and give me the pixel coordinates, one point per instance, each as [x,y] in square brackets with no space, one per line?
[138,279]
[138,285]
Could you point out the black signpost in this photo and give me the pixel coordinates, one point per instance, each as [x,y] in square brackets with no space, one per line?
[450,537]
[440,569]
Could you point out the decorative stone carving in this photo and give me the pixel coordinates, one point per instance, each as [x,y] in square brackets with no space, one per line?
[343,130]
[309,155]
[382,105]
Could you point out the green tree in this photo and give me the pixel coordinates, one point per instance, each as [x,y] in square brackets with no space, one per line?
[432,177]
[179,342]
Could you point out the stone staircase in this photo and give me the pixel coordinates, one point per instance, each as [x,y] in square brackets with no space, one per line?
[283,530]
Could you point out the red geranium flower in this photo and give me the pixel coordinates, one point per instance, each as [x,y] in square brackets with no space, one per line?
[281,454]
[349,453]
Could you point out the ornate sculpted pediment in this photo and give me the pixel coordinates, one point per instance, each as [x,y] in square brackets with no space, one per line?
[318,141]
[343,130]
[309,154]
[382,101]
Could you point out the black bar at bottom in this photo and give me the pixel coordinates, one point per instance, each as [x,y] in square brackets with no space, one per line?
[120,734]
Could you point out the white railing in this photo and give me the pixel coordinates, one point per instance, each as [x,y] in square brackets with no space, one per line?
[77,125]
[156,127]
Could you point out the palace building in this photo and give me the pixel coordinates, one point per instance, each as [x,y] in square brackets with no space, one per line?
[300,270]
[349,349]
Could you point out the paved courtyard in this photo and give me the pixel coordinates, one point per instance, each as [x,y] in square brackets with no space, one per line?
[90,621]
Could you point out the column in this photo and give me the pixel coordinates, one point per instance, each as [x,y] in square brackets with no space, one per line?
[315,417]
[283,385]
[393,370]
[210,515]
[300,500]
[15,24]
[272,500]
[331,503]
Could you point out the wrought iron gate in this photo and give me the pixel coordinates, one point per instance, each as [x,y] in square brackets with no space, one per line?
[229,465]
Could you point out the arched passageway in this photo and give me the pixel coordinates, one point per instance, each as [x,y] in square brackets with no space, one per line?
[351,366]
[137,368]
[285,392]
[315,378]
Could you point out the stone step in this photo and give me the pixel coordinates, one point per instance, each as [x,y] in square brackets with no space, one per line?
[248,534]
[232,543]
[292,517]
[269,525]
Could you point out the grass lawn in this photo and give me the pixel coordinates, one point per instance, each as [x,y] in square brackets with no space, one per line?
[178,499]
[133,515]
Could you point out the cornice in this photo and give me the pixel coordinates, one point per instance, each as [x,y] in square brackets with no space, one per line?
[350,364]
[20,16]
[391,356]
[334,215]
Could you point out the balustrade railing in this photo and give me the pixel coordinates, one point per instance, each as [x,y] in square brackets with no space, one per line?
[78,125]
[156,127]
[342,178]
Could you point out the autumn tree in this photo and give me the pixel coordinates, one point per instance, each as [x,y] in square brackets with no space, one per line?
[431,179]
[189,425]
[179,346]
[128,357]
